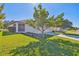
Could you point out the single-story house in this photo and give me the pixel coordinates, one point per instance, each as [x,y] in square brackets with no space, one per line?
[22,27]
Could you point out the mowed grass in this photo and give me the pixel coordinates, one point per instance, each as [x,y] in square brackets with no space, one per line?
[64,46]
[10,42]
[56,46]
[64,39]
[72,32]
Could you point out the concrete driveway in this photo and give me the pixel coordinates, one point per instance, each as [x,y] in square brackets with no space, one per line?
[69,36]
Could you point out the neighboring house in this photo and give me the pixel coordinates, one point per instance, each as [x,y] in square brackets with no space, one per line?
[22,27]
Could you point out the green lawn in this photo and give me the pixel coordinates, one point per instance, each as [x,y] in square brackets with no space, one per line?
[65,46]
[10,42]
[55,45]
[72,32]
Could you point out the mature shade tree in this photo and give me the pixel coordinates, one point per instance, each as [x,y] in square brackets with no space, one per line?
[56,22]
[41,18]
[63,23]
[67,24]
[2,16]
[60,15]
[59,22]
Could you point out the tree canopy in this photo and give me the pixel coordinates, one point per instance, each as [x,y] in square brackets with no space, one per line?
[41,18]
[2,15]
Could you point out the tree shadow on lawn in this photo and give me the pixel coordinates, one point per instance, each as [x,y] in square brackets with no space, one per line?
[37,36]
[56,47]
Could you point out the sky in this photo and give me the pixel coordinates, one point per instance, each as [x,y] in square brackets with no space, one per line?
[21,11]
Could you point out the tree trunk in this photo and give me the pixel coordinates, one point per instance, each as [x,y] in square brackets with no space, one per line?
[42,33]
